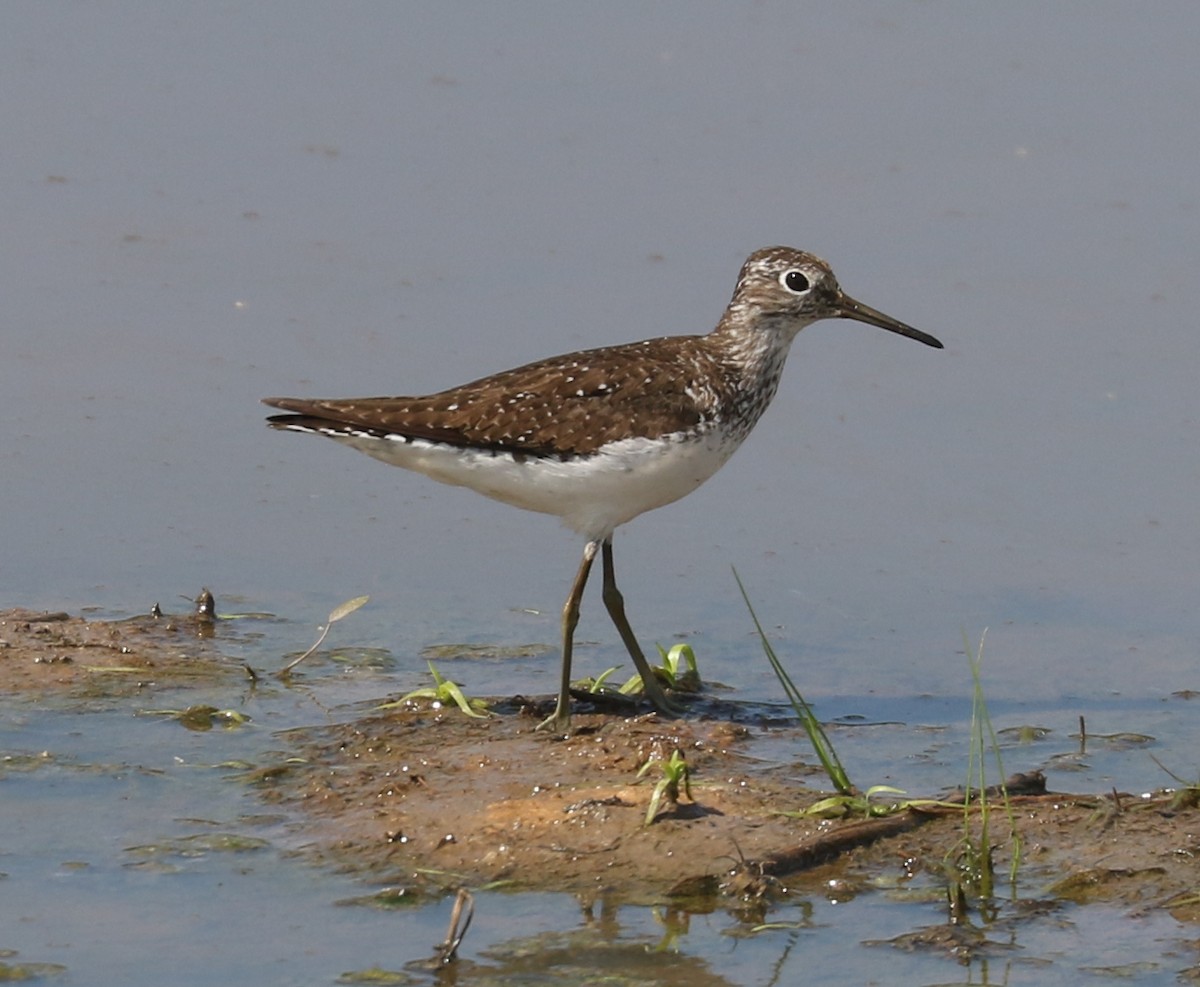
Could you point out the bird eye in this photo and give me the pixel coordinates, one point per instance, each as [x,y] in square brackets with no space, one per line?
[795,282]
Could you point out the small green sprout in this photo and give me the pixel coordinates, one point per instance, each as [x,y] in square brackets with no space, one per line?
[445,692]
[1187,795]
[597,684]
[674,773]
[687,680]
[868,805]
[669,673]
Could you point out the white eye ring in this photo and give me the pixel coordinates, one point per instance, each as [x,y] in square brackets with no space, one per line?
[795,281]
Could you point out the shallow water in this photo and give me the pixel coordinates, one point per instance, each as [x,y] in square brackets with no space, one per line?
[207,205]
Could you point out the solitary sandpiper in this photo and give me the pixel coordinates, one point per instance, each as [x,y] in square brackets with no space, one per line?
[600,436]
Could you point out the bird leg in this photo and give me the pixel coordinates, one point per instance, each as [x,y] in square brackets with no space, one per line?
[560,719]
[616,609]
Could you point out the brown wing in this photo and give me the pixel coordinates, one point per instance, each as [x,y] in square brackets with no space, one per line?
[567,405]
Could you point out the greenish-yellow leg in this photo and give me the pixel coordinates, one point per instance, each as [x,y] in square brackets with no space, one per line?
[560,719]
[616,609]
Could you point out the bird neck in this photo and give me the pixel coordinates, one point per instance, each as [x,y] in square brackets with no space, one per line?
[753,346]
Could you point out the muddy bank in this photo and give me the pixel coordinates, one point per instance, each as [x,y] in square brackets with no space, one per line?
[400,794]
[57,652]
[434,800]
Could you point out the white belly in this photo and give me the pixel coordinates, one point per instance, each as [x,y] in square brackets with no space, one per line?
[592,494]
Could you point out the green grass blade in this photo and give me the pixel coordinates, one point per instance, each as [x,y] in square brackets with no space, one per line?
[812,726]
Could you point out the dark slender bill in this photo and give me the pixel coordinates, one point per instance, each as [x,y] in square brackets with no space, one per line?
[850,309]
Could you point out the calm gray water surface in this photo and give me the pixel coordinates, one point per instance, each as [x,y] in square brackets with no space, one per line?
[208,203]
